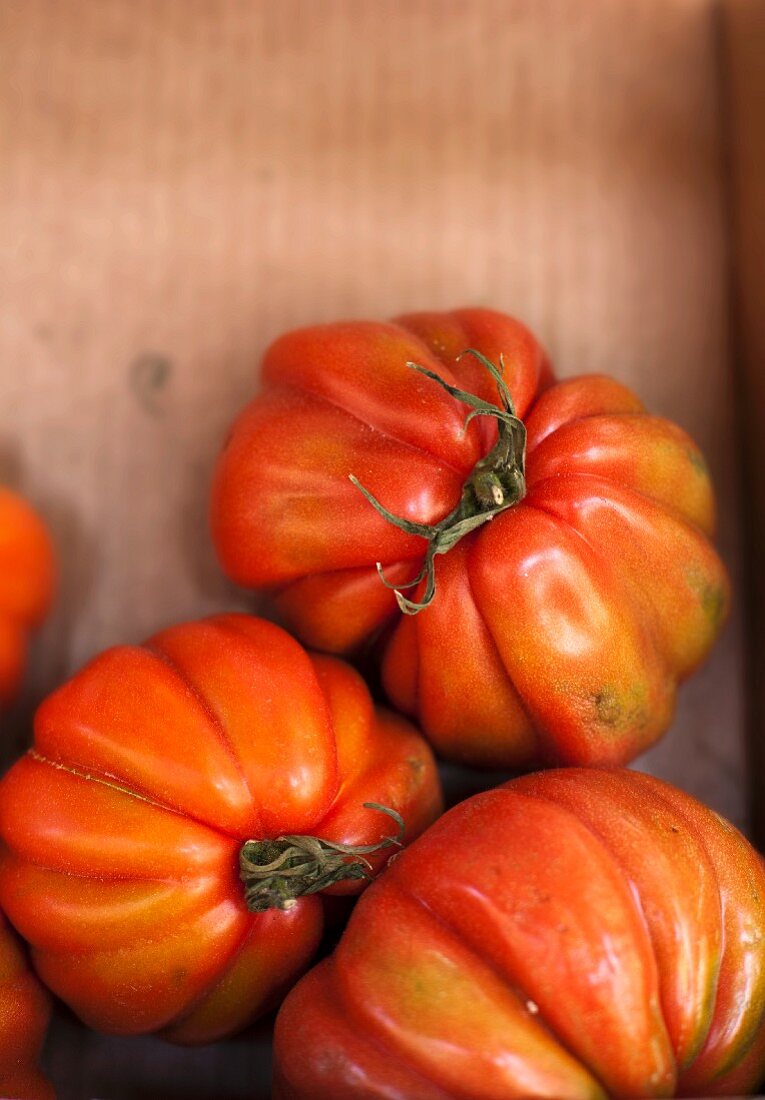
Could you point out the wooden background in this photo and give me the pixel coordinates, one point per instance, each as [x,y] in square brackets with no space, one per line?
[181,180]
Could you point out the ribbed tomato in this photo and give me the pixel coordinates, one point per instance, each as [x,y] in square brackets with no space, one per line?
[574,934]
[160,837]
[557,632]
[24,1014]
[27,579]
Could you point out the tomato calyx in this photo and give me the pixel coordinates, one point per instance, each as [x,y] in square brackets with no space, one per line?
[277,872]
[496,483]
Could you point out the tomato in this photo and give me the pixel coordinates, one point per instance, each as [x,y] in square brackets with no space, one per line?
[24,1014]
[557,633]
[575,933]
[27,580]
[160,774]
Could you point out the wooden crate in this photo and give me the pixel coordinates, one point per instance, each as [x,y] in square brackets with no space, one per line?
[181,180]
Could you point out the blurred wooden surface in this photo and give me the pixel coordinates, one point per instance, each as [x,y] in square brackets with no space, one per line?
[183,179]
[743,44]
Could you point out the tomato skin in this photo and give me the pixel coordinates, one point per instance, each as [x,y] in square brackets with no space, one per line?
[27,583]
[559,631]
[123,825]
[574,933]
[25,1010]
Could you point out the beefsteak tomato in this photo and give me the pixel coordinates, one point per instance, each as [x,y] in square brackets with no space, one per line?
[160,838]
[24,1014]
[557,633]
[27,580]
[578,933]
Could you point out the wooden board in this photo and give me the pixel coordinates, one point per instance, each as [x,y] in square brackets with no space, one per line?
[743,54]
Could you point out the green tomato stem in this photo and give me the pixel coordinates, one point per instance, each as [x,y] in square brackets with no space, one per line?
[277,872]
[496,483]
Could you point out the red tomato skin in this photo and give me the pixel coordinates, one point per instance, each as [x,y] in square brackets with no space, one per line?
[122,826]
[25,1010]
[27,584]
[560,631]
[574,933]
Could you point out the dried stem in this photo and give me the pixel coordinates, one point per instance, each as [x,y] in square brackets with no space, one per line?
[277,872]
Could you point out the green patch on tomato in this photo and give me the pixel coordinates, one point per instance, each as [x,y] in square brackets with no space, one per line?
[712,597]
[618,709]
